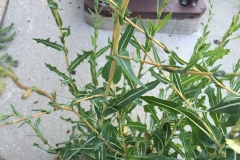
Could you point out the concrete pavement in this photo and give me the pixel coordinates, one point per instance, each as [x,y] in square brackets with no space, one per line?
[33,19]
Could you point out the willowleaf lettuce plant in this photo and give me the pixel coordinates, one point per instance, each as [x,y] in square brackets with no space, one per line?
[188,117]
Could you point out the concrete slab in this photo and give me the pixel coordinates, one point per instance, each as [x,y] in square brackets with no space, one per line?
[34,20]
[3,7]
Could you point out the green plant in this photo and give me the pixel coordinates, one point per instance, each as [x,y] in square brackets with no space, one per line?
[6,59]
[196,121]
[4,37]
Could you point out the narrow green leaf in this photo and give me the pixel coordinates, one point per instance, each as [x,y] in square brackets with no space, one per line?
[116,144]
[214,52]
[159,77]
[211,96]
[190,80]
[232,120]
[155,54]
[177,148]
[126,66]
[137,126]
[200,68]
[100,154]
[219,95]
[27,120]
[158,141]
[98,145]
[134,43]
[150,109]
[236,85]
[66,150]
[130,82]
[230,105]
[183,138]
[166,131]
[14,110]
[99,72]
[3,31]
[54,69]
[47,43]
[124,40]
[205,139]
[106,131]
[219,73]
[142,148]
[106,70]
[193,60]
[163,22]
[190,91]
[80,58]
[128,98]
[103,50]
[211,60]
[178,59]
[54,7]
[117,72]
[177,109]
[176,81]
[217,133]
[65,34]
[145,29]
[69,120]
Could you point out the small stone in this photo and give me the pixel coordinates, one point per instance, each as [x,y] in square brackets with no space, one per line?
[35,102]
[216,41]
[73,72]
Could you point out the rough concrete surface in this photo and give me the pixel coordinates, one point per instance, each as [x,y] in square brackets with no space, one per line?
[33,19]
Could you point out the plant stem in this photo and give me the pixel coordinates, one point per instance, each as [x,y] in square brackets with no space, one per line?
[65,51]
[12,75]
[114,28]
[176,69]
[90,97]
[75,112]
[45,142]
[121,134]
[115,52]
[22,119]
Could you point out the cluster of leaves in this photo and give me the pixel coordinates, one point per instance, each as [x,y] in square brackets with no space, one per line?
[4,37]
[6,59]
[195,118]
